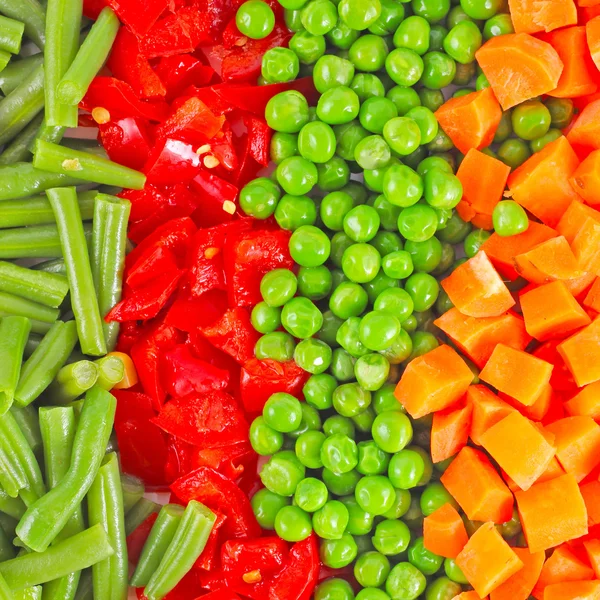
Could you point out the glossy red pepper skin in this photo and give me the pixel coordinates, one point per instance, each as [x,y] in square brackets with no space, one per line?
[223,148]
[220,581]
[138,15]
[179,72]
[92,8]
[156,259]
[220,595]
[209,558]
[172,161]
[232,461]
[265,554]
[259,140]
[214,191]
[137,538]
[126,141]
[191,121]
[144,203]
[191,314]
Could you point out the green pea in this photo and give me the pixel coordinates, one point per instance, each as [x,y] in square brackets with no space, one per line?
[464,75]
[509,218]
[348,135]
[307,47]
[440,143]
[456,230]
[334,589]
[417,223]
[283,473]
[435,496]
[371,371]
[282,412]
[364,420]
[531,120]
[342,365]
[462,41]
[401,505]
[309,246]
[280,65]
[404,66]
[293,19]
[292,524]
[457,15]
[378,330]
[391,537]
[375,494]
[371,569]
[348,300]
[361,262]
[265,318]
[259,198]
[301,317]
[361,223]
[276,345]
[341,36]
[318,391]
[439,70]
[330,326]
[372,594]
[474,241]
[426,561]
[405,582]
[330,521]
[561,110]
[426,256]
[347,338]
[308,449]
[513,152]
[453,572]
[333,174]
[481,83]
[359,14]
[436,37]
[392,431]
[511,528]
[375,112]
[283,145]
[386,242]
[338,105]
[255,19]
[405,98]
[379,284]
[360,522]
[403,135]
[442,589]
[497,25]
[541,142]
[401,347]
[368,53]
[316,142]
[287,111]
[350,399]
[331,71]
[481,9]
[398,265]
[392,14]
[337,554]
[413,34]
[311,494]
[402,186]
[312,355]
[278,286]
[266,505]
[423,342]
[431,10]
[339,453]
[367,86]
[442,189]
[319,16]
[337,424]
[424,290]
[264,439]
[296,175]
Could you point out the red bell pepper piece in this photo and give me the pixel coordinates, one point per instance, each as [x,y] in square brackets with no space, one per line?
[213,192]
[266,554]
[190,314]
[210,555]
[231,461]
[119,99]
[262,378]
[219,493]
[233,333]
[186,589]
[222,147]
[222,582]
[129,333]
[126,141]
[251,255]
[220,595]
[232,36]
[172,161]
[248,168]
[210,97]
[179,72]
[157,259]
[137,538]
[259,139]
[144,203]
[138,15]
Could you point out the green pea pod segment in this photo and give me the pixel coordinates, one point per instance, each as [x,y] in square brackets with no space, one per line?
[49,289]
[14,332]
[183,551]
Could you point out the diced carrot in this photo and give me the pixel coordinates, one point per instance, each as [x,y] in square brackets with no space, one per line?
[573,219]
[465,211]
[476,289]
[579,74]
[587,13]
[502,250]
[592,30]
[516,373]
[450,432]
[482,221]
[444,532]
[130,376]
[591,496]
[487,560]
[550,311]
[483,178]
[520,585]
[580,285]
[552,260]
[592,300]
[433,382]
[574,590]
[488,410]
[562,566]
[592,548]
[519,448]
[586,129]
[470,121]
[586,3]
[541,183]
[519,67]
[577,444]
[529,17]
[561,379]
[586,402]
[581,353]
[553,471]
[552,512]
[477,337]
[586,246]
[586,178]
[472,595]
[474,483]
[538,410]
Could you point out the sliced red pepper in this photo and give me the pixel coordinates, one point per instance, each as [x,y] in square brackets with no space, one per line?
[179,72]
[232,36]
[213,191]
[192,121]
[233,333]
[138,15]
[222,147]
[129,333]
[266,554]
[219,493]
[222,582]
[157,259]
[186,589]
[231,461]
[126,141]
[259,139]
[210,555]
[211,98]
[190,314]
[262,378]
[220,595]
[144,203]
[180,458]
[172,161]
[248,168]
[137,538]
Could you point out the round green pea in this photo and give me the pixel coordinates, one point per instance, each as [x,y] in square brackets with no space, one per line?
[280,65]
[348,300]
[296,175]
[442,589]
[312,355]
[301,317]
[266,505]
[259,198]
[347,338]
[392,431]
[339,454]
[405,98]
[341,36]
[392,14]
[462,41]
[319,16]
[423,289]
[474,241]
[308,449]
[331,71]
[282,412]
[361,223]
[359,14]
[276,345]
[287,112]
[375,112]
[437,35]
[413,34]
[439,70]
[307,47]
[391,537]
[366,86]
[434,496]
[402,186]
[264,439]
[372,152]
[294,211]
[282,473]
[405,582]
[278,287]
[292,524]
[255,19]
[378,330]
[265,318]
[361,262]
[337,554]
[513,152]
[371,569]
[311,494]
[333,174]
[349,400]
[375,494]
[417,223]
[509,218]
[371,371]
[431,10]
[330,521]
[309,246]
[334,589]
[453,572]
[403,135]
[481,9]
[342,365]
[283,145]
[561,110]
[316,142]
[404,66]
[368,53]
[500,24]
[426,561]
[338,105]
[531,120]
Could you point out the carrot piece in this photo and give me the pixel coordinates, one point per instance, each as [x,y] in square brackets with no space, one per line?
[450,432]
[476,289]
[592,31]
[472,595]
[502,250]
[586,402]
[433,382]
[487,560]
[562,566]
[477,337]
[573,219]
[587,13]
[592,548]
[579,74]
[519,67]
[541,183]
[586,246]
[529,17]
[488,410]
[550,311]
[483,178]
[538,410]
[519,585]
[465,211]
[574,590]
[591,496]
[482,221]
[586,128]
[592,299]
[516,373]
[586,178]
[130,376]
[470,121]
[519,448]
[444,532]
[581,353]
[553,471]
[476,486]
[579,285]
[552,512]
[577,444]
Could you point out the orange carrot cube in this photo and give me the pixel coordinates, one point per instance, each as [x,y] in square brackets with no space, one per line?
[488,410]
[573,219]
[472,595]
[586,128]
[520,585]
[586,246]
[573,590]
[586,403]
[592,300]
[586,178]
[581,353]
[450,432]
[528,18]
[592,548]
[591,496]
[444,532]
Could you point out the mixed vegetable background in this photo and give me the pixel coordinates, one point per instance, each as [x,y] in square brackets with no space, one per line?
[328,284]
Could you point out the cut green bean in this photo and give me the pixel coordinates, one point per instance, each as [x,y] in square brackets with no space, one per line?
[14,332]
[21,105]
[12,476]
[30,593]
[187,545]
[8,525]
[18,149]
[105,507]
[31,13]
[22,307]
[49,289]
[32,343]
[138,513]
[40,241]
[110,371]
[85,166]
[133,490]
[7,550]
[63,22]
[54,265]
[73,554]
[23,179]
[46,361]
[11,34]
[18,70]
[84,301]
[49,134]
[72,381]
[28,422]
[5,591]
[4,59]
[85,591]
[45,519]
[13,507]
[161,536]
[40,327]
[90,58]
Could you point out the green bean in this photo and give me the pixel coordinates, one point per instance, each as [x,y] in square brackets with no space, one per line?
[8,524]
[5,591]
[22,105]
[41,327]
[16,305]
[4,59]
[18,150]
[45,519]
[109,243]
[49,134]
[30,593]
[23,179]
[63,22]
[13,507]
[31,13]
[28,422]
[72,381]
[73,554]
[14,332]
[161,535]
[85,166]
[44,288]
[110,371]
[84,301]
[12,476]
[7,550]
[47,359]
[187,545]
[32,343]
[85,591]
[18,70]
[105,507]
[138,513]
[90,58]
[11,34]
[133,490]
